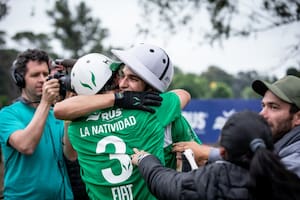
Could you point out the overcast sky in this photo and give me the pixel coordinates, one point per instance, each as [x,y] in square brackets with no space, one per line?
[265,53]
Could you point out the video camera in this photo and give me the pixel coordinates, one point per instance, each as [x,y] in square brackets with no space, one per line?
[62,74]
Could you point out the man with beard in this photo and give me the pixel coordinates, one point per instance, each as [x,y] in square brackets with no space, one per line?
[281,109]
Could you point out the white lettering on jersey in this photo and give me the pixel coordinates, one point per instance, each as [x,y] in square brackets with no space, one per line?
[123,192]
[108,128]
[120,155]
[84,132]
[105,116]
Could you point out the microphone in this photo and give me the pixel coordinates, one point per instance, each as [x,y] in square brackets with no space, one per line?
[67,63]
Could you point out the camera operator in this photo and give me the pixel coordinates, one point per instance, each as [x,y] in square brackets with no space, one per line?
[31,136]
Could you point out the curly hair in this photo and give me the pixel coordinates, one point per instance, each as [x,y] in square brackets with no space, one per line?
[19,68]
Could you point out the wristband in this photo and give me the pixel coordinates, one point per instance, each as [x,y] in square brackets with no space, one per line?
[141,157]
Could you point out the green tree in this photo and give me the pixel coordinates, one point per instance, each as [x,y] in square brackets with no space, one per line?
[220,90]
[78,32]
[30,39]
[248,93]
[216,74]
[2,39]
[243,80]
[8,89]
[226,18]
[197,86]
[293,71]
[4,9]
[253,16]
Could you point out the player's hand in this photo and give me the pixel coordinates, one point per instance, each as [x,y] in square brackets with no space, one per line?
[138,100]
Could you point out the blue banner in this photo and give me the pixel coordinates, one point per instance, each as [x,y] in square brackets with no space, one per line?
[207,117]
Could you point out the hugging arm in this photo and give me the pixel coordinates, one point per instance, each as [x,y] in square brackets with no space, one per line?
[81,105]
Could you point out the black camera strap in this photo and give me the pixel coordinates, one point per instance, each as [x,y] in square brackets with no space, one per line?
[26,101]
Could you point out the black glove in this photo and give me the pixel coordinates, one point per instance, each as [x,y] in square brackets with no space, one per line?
[138,100]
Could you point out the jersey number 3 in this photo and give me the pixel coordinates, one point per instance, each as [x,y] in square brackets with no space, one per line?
[120,155]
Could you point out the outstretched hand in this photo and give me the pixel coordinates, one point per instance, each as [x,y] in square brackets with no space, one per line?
[201,151]
[138,100]
[138,156]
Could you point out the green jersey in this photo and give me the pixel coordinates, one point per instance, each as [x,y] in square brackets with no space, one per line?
[104,142]
[178,131]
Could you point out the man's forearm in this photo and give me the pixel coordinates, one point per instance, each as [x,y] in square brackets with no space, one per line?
[26,140]
[78,106]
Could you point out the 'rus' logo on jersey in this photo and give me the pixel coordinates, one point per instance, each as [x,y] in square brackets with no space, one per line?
[105,116]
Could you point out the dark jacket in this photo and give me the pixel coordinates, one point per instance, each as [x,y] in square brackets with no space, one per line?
[288,149]
[219,180]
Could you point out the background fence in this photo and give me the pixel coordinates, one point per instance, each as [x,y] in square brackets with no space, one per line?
[207,117]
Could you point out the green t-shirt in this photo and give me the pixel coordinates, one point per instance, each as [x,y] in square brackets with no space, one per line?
[178,131]
[104,141]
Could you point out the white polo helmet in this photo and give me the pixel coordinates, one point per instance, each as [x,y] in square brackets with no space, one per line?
[90,73]
[150,63]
